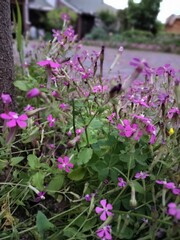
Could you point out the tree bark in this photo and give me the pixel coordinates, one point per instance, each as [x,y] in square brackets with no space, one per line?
[6,52]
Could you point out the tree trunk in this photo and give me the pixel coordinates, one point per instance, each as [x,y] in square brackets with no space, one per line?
[6,52]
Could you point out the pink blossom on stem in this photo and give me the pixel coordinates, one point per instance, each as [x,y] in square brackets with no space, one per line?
[104,233]
[34,92]
[64,163]
[121,182]
[141,175]
[6,98]
[48,63]
[13,119]
[79,131]
[51,120]
[104,211]
[174,210]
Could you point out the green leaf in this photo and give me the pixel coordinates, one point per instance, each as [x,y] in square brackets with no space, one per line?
[16,160]
[33,161]
[77,174]
[22,85]
[73,232]
[138,187]
[84,155]
[3,164]
[38,180]
[55,184]
[43,224]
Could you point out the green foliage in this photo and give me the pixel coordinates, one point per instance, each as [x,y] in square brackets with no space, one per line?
[143,15]
[107,17]
[96,34]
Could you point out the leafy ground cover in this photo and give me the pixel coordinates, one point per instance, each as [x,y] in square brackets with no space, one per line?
[86,157]
[136,39]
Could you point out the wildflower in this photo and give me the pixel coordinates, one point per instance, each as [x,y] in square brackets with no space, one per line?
[141,175]
[64,163]
[51,120]
[104,211]
[169,185]
[110,118]
[34,92]
[40,196]
[48,63]
[28,108]
[121,182]
[6,98]
[65,17]
[174,210]
[171,131]
[173,112]
[104,233]
[64,106]
[79,131]
[87,197]
[13,119]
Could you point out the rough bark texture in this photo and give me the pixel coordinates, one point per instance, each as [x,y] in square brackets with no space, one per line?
[6,52]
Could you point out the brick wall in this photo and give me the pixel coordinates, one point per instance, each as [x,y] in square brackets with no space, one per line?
[174,28]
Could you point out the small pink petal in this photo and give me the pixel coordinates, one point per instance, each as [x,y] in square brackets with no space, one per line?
[21,124]
[103,202]
[103,216]
[11,123]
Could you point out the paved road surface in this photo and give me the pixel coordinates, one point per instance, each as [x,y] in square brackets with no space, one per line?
[155,59]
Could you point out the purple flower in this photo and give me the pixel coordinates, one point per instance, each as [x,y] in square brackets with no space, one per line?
[104,233]
[48,63]
[104,211]
[121,182]
[169,185]
[6,98]
[40,196]
[13,119]
[173,112]
[87,197]
[51,120]
[65,17]
[64,106]
[28,108]
[110,118]
[141,175]
[34,92]
[79,131]
[64,163]
[174,210]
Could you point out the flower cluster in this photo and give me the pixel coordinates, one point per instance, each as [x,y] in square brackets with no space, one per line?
[174,210]
[169,185]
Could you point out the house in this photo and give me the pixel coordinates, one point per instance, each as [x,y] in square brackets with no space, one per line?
[173,24]
[87,11]
[32,11]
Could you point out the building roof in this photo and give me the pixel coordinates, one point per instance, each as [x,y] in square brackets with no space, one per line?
[87,6]
[171,19]
[41,5]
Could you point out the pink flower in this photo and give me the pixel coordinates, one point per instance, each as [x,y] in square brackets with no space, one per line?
[40,196]
[174,210]
[6,98]
[34,92]
[64,106]
[104,233]
[48,63]
[173,112]
[65,17]
[104,211]
[65,164]
[110,118]
[28,108]
[121,182]
[126,129]
[169,185]
[79,131]
[51,120]
[13,119]
[141,175]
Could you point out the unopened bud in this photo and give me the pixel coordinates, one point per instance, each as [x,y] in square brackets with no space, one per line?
[133,202]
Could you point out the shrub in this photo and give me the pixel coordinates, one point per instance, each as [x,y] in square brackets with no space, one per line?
[84,159]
